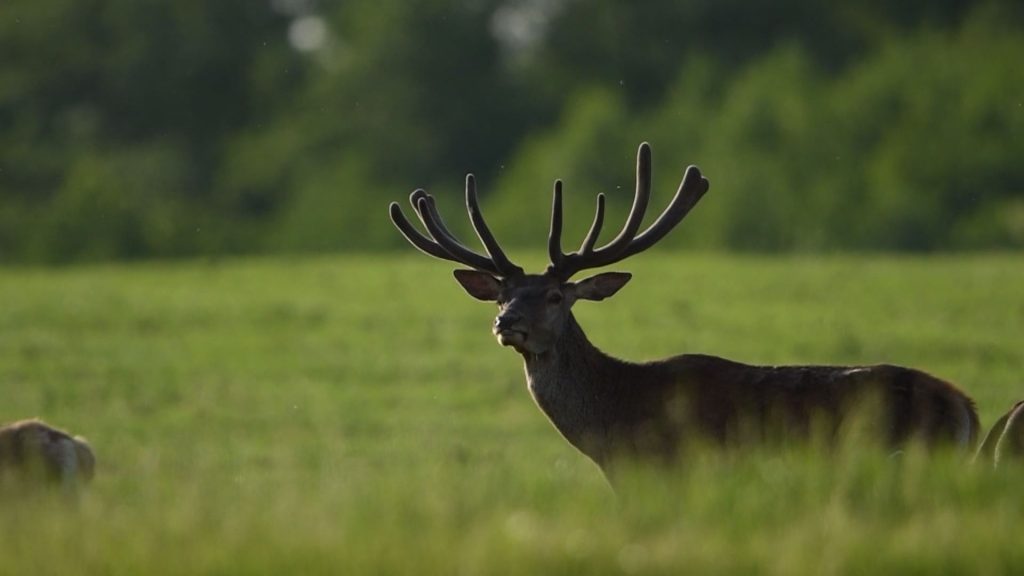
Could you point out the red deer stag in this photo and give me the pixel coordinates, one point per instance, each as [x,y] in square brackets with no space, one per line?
[30,450]
[608,407]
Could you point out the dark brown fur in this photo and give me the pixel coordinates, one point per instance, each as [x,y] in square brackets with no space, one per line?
[609,408]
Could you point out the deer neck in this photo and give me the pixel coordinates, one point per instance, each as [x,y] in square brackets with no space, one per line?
[573,384]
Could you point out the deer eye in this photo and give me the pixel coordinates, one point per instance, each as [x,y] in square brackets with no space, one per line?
[555,298]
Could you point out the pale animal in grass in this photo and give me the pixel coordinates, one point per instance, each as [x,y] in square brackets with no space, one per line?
[32,451]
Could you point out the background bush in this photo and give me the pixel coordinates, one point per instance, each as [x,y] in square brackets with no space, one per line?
[162,129]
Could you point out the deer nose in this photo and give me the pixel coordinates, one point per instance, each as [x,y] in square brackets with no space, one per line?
[506,320]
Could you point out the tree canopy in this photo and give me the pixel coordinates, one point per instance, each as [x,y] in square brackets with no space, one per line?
[138,129]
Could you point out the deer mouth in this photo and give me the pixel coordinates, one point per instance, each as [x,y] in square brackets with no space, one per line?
[509,337]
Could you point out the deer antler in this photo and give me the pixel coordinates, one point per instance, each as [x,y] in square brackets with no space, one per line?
[442,243]
[627,243]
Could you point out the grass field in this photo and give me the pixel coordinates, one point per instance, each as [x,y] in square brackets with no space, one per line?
[353,415]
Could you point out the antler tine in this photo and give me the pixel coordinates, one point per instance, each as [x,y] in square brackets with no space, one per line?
[691,190]
[595,229]
[421,242]
[627,243]
[429,243]
[555,235]
[587,257]
[428,212]
[504,266]
[441,243]
[610,252]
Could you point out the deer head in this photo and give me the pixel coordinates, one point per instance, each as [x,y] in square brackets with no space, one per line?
[533,309]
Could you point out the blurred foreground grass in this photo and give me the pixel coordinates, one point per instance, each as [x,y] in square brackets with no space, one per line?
[354,415]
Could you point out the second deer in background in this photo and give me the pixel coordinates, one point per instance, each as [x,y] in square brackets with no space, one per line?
[35,453]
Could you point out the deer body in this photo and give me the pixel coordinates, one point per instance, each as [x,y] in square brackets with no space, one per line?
[610,408]
[607,407]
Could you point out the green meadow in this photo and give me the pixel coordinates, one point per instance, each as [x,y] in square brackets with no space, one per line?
[354,415]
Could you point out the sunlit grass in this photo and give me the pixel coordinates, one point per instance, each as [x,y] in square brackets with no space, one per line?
[354,415]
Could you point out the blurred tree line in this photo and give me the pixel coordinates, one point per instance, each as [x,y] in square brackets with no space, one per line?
[159,128]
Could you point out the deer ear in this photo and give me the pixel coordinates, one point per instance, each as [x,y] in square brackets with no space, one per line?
[601,286]
[480,285]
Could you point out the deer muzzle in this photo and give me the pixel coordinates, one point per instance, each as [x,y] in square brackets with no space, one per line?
[507,330]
